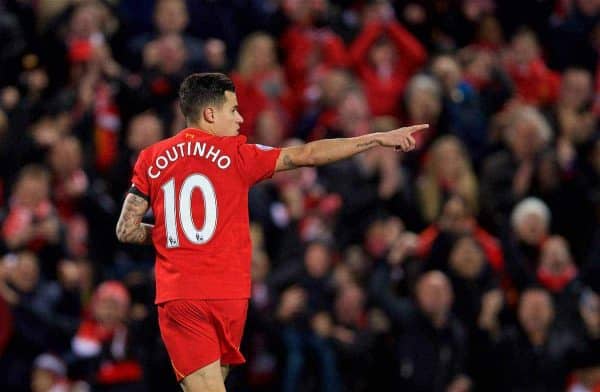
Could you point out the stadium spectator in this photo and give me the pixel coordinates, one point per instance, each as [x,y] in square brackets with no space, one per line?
[420,323]
[305,311]
[260,80]
[456,219]
[171,17]
[447,171]
[530,225]
[104,350]
[39,324]
[49,374]
[535,83]
[423,103]
[507,175]
[310,46]
[385,56]
[462,104]
[32,222]
[532,355]
[351,336]
[558,274]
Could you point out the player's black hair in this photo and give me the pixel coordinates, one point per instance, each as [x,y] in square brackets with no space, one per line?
[200,90]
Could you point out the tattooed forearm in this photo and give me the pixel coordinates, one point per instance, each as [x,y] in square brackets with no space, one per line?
[323,152]
[130,228]
[288,163]
[367,144]
[141,234]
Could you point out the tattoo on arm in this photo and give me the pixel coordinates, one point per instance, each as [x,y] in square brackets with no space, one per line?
[288,163]
[366,144]
[130,228]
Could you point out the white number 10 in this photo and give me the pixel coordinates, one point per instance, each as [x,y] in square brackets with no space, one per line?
[190,230]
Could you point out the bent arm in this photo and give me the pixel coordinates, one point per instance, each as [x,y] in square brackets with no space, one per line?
[359,49]
[130,228]
[323,152]
[413,52]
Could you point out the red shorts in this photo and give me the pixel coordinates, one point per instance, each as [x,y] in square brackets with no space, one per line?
[198,332]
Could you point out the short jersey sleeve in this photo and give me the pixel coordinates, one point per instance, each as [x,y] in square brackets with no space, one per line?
[256,162]
[139,181]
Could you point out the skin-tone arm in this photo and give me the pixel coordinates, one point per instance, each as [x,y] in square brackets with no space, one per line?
[130,228]
[322,152]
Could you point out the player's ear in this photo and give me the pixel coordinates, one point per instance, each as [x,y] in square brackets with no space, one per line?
[209,114]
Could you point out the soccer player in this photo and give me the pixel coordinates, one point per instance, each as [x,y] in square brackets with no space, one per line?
[196,183]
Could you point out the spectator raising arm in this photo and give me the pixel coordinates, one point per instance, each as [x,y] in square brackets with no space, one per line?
[412,52]
[385,56]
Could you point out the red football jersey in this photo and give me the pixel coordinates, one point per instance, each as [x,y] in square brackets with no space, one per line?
[197,185]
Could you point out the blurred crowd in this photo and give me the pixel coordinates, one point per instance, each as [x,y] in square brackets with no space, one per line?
[469,264]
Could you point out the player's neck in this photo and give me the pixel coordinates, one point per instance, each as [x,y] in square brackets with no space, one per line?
[203,126]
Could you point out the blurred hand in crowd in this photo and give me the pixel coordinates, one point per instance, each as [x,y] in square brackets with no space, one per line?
[491,305]
[9,98]
[460,384]
[293,302]
[7,265]
[322,324]
[402,248]
[589,309]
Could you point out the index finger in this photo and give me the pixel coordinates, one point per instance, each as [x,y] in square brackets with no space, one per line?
[414,128]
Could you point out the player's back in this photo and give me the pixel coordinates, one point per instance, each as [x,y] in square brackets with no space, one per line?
[198,185]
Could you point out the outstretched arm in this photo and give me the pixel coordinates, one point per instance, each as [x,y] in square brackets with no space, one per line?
[322,152]
[130,228]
